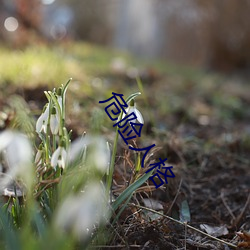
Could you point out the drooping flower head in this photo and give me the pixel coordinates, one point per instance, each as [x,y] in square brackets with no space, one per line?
[42,122]
[79,214]
[132,108]
[17,153]
[59,157]
[54,121]
[59,97]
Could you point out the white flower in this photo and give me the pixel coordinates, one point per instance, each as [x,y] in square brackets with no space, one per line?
[42,122]
[39,154]
[98,152]
[79,214]
[54,121]
[59,158]
[132,108]
[17,152]
[59,99]
[100,155]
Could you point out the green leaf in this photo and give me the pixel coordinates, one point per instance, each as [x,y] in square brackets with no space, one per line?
[10,236]
[122,209]
[185,212]
[128,191]
[39,222]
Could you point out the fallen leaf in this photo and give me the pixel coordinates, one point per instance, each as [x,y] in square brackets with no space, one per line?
[245,236]
[155,205]
[215,231]
[152,204]
[185,212]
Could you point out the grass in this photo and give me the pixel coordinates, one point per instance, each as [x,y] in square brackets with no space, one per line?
[51,64]
[41,64]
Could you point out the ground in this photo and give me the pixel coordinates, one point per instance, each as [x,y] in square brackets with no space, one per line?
[199,121]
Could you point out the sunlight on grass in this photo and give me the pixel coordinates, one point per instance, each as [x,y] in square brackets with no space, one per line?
[37,65]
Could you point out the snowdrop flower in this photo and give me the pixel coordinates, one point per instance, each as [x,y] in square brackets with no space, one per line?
[59,97]
[101,155]
[98,152]
[54,121]
[132,108]
[39,154]
[79,214]
[42,122]
[59,157]
[17,152]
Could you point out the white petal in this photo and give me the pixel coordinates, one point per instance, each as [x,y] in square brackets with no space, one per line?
[44,127]
[78,147]
[127,112]
[38,156]
[132,110]
[55,156]
[62,161]
[46,113]
[18,155]
[54,124]
[139,116]
[42,121]
[5,139]
[59,99]
[101,155]
[19,151]
[39,123]
[78,214]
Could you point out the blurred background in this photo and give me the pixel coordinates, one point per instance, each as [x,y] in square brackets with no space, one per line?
[193,59]
[212,34]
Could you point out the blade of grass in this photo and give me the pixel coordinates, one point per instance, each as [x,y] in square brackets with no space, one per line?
[122,209]
[11,239]
[128,191]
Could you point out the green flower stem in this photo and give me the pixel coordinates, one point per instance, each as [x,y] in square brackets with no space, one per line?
[112,164]
[54,142]
[60,112]
[47,137]
[140,86]
[63,101]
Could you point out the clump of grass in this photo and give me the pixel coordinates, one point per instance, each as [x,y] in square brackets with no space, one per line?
[37,65]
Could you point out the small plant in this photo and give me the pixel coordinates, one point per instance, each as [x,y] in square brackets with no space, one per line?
[65,186]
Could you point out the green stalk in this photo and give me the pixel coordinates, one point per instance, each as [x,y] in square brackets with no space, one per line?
[63,101]
[47,138]
[52,95]
[54,142]
[112,164]
[140,86]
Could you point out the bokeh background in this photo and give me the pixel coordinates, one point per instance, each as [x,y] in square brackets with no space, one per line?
[212,34]
[193,60]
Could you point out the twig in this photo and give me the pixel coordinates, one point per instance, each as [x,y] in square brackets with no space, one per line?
[173,202]
[227,207]
[183,224]
[117,246]
[237,220]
